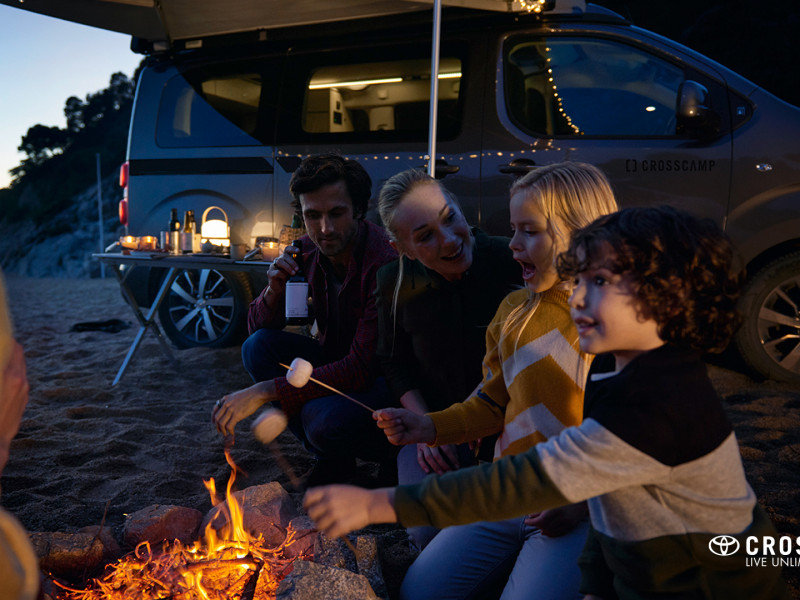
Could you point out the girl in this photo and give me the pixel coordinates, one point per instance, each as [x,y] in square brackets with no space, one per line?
[655,455]
[532,388]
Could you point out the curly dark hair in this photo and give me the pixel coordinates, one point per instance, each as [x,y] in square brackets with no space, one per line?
[684,271]
[319,170]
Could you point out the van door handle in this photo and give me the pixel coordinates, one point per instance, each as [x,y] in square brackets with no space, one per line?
[442,169]
[518,166]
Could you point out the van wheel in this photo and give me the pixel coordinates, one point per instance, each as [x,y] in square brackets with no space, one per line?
[769,339]
[207,308]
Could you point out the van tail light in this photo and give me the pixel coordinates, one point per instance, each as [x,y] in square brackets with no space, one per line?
[123,211]
[123,204]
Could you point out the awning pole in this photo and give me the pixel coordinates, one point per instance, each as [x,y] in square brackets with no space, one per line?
[432,120]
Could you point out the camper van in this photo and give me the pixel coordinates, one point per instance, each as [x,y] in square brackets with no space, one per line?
[224,120]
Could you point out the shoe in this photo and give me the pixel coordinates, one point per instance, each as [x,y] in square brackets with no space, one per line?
[331,470]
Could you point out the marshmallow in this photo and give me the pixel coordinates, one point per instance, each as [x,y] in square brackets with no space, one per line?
[269,425]
[299,372]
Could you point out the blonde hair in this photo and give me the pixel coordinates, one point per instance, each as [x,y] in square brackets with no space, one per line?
[570,195]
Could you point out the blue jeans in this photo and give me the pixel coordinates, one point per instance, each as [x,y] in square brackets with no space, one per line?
[478,560]
[409,471]
[329,427]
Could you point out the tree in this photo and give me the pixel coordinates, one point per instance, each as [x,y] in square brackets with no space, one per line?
[42,143]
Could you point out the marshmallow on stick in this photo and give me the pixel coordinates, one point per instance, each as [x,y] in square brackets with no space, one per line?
[269,425]
[300,374]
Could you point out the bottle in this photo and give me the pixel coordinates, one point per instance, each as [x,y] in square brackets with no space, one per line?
[297,290]
[174,232]
[174,223]
[187,237]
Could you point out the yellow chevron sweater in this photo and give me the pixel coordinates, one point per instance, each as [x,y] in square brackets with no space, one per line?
[533,380]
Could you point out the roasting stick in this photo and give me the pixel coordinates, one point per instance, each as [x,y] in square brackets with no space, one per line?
[297,366]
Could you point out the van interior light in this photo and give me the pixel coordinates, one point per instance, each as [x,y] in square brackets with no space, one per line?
[365,82]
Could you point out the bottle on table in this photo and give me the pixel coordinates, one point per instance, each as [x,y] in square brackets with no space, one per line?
[297,290]
[187,236]
[174,232]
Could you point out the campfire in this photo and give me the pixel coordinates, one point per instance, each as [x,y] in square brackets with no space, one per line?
[228,563]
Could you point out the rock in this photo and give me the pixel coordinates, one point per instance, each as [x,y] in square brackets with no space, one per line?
[159,522]
[369,564]
[68,555]
[305,537]
[313,581]
[267,509]
[334,553]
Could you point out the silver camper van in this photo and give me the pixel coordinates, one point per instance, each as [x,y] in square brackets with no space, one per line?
[224,121]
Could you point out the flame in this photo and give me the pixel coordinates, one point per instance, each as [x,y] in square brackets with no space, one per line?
[226,564]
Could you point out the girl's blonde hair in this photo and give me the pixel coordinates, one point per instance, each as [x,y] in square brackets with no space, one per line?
[570,195]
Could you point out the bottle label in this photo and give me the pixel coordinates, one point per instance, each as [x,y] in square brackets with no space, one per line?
[296,300]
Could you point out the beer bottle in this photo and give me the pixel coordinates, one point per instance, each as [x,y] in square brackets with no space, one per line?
[297,290]
[187,237]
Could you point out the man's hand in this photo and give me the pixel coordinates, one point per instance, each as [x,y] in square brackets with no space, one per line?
[13,399]
[239,405]
[404,427]
[340,509]
[558,521]
[280,270]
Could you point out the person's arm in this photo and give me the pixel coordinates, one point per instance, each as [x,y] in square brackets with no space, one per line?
[359,367]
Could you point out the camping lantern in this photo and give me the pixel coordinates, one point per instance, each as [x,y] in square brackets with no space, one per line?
[214,230]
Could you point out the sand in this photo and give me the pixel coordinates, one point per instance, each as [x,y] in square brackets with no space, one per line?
[86,448]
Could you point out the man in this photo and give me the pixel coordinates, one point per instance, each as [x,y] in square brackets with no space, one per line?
[341,254]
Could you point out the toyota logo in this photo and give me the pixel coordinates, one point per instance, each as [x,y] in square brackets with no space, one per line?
[723,545]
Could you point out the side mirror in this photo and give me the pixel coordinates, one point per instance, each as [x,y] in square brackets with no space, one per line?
[695,117]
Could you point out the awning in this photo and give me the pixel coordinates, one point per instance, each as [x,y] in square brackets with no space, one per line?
[171,20]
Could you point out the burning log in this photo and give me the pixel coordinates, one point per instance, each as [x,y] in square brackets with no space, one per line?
[228,564]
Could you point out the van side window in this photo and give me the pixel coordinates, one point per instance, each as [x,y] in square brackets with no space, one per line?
[564,86]
[391,96]
[200,109]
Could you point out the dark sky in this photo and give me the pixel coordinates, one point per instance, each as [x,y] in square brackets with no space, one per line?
[758,39]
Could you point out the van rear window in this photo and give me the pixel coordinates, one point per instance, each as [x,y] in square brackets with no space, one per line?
[204,110]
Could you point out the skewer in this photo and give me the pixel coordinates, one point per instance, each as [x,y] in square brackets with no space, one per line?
[333,389]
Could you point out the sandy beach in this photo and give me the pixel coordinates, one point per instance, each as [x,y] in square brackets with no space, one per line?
[86,449]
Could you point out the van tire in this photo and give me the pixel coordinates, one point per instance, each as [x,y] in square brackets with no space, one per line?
[200,301]
[770,333]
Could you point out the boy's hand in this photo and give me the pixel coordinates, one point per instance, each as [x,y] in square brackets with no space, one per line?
[404,427]
[340,509]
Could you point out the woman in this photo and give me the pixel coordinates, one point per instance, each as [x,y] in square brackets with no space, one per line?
[434,304]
